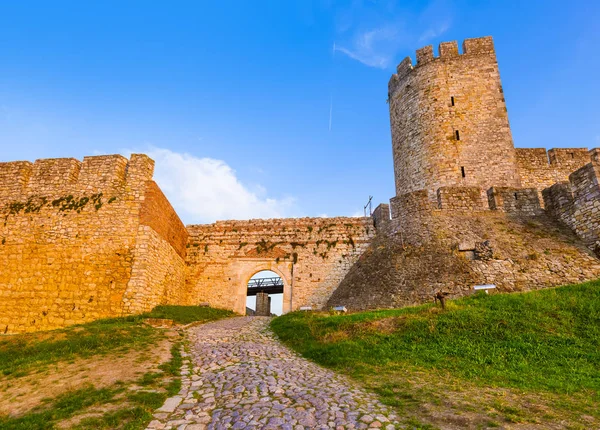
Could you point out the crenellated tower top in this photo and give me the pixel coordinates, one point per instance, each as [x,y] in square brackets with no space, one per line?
[449,120]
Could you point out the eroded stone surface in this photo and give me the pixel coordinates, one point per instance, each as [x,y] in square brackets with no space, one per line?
[241,377]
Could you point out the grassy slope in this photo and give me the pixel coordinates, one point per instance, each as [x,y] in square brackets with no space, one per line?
[24,354]
[537,342]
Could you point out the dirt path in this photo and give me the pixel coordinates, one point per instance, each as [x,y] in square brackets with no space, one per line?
[241,377]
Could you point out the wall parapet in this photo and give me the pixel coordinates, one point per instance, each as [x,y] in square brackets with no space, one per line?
[460,198]
[55,176]
[523,201]
[410,204]
[446,51]
[540,168]
[576,203]
[381,215]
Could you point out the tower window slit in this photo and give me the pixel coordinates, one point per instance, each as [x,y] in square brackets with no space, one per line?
[516,196]
[457,135]
[462,171]
[452,100]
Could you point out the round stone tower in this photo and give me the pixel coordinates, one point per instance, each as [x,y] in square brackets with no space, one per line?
[449,120]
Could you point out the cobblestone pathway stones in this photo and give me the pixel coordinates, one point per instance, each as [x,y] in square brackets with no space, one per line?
[238,376]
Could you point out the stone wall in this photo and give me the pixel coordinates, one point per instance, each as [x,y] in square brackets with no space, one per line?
[541,169]
[381,215]
[452,251]
[312,255]
[449,121]
[514,200]
[460,198]
[71,235]
[577,203]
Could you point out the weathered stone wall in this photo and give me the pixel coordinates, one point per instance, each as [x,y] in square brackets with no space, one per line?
[70,236]
[157,213]
[449,121]
[577,203]
[540,169]
[381,214]
[451,251]
[460,198]
[514,200]
[312,255]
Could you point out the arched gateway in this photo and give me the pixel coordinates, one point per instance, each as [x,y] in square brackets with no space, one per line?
[264,294]
[311,255]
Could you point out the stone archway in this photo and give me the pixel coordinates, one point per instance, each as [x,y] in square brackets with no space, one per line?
[265,294]
[283,269]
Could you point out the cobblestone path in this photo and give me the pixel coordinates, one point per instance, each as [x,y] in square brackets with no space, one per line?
[239,376]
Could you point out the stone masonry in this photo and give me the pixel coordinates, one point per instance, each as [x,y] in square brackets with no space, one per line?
[85,240]
[577,203]
[449,121]
[311,255]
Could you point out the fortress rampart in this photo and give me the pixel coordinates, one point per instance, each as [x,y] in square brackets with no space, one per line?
[75,236]
[312,256]
[82,240]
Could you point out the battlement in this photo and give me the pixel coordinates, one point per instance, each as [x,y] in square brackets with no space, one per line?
[53,176]
[523,201]
[541,169]
[518,201]
[460,198]
[555,157]
[446,51]
[576,203]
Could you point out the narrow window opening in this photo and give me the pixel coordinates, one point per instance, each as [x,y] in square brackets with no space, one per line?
[516,196]
[572,155]
[452,100]
[462,171]
[457,135]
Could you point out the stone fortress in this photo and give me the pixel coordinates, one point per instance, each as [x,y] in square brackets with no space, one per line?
[93,239]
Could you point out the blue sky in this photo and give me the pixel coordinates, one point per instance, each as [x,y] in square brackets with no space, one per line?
[247,107]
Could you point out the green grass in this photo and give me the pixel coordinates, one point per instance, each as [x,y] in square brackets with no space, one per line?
[21,354]
[546,340]
[188,314]
[60,408]
[24,354]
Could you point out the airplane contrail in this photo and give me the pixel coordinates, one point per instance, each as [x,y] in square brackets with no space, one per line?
[330,111]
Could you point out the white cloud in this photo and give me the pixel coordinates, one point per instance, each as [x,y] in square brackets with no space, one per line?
[374,48]
[203,190]
[375,33]
[434,32]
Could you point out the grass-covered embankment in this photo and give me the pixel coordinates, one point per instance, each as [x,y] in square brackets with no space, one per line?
[117,371]
[20,354]
[536,343]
